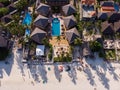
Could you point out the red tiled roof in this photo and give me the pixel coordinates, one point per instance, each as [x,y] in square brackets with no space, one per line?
[88,1]
[108,8]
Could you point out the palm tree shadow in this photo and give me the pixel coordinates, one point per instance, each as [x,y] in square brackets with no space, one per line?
[38,70]
[112,71]
[19,62]
[72,74]
[101,75]
[43,73]
[57,73]
[6,65]
[104,80]
[90,76]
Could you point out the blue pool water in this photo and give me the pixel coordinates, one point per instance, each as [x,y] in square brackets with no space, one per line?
[27,20]
[27,32]
[116,7]
[55,27]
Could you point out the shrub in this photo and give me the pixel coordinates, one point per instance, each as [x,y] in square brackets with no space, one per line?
[50,56]
[5,2]
[22,4]
[3,11]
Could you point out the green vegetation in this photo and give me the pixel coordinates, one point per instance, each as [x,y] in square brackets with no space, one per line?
[22,4]
[5,2]
[110,55]
[95,46]
[80,26]
[58,38]
[117,1]
[3,11]
[45,41]
[63,58]
[32,46]
[16,17]
[4,52]
[16,29]
[117,35]
[50,52]
[78,41]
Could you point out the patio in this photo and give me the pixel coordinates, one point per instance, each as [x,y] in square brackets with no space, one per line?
[110,55]
[88,11]
[109,44]
[117,43]
[61,49]
[118,54]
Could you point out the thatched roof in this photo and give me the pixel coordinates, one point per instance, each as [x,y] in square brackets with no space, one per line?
[43,9]
[6,19]
[72,34]
[41,21]
[107,28]
[12,9]
[38,35]
[102,16]
[69,21]
[68,9]
[117,26]
[113,16]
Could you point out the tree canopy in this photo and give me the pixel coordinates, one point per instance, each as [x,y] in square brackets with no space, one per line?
[95,46]
[22,4]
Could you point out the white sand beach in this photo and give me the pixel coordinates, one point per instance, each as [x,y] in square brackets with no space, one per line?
[98,75]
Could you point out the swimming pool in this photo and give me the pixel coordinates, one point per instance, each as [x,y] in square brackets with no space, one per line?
[56,27]
[27,20]
[116,7]
[27,32]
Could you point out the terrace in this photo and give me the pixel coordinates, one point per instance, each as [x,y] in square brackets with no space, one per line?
[117,44]
[118,54]
[88,11]
[110,54]
[109,44]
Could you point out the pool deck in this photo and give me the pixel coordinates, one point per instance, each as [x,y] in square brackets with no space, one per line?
[63,41]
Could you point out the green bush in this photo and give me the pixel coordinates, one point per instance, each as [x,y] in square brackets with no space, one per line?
[22,4]
[3,11]
[5,2]
[50,56]
[63,59]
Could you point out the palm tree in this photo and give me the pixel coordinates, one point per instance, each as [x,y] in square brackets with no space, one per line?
[58,38]
[95,46]
[78,41]
[80,26]
[45,42]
